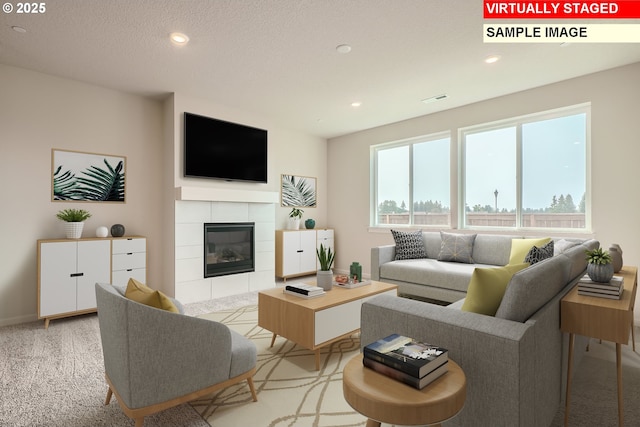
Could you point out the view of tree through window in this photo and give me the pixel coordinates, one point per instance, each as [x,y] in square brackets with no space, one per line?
[412,182]
[527,174]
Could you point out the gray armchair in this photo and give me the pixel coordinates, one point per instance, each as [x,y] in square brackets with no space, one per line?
[155,359]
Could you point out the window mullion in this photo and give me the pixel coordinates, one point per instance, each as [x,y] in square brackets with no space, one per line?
[519,215]
[411,219]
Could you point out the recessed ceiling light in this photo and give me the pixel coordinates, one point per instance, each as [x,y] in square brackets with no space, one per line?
[491,59]
[343,48]
[179,38]
[18,29]
[356,104]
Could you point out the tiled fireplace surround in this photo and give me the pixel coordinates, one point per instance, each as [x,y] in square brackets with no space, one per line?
[193,208]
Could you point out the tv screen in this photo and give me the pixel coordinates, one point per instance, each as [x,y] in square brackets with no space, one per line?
[223,150]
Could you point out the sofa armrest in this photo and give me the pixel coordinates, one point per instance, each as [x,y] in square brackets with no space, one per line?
[379,256]
[497,355]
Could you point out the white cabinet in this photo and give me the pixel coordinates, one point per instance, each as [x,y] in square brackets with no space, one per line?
[295,252]
[129,260]
[69,269]
[67,273]
[324,237]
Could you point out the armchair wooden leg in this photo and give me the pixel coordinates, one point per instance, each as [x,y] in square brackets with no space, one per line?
[253,389]
[109,394]
[139,421]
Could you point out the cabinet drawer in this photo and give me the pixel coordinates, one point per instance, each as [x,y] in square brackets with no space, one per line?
[325,235]
[128,260]
[122,246]
[121,278]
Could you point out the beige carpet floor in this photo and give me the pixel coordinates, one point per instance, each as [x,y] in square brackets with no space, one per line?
[292,393]
[55,378]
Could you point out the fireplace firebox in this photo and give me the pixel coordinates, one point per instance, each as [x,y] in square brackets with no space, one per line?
[228,248]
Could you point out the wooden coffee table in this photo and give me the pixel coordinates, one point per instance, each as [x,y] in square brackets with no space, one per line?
[317,322]
[383,399]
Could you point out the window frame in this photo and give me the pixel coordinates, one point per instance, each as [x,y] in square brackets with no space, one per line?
[410,142]
[518,122]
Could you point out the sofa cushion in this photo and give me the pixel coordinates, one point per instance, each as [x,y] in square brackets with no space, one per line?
[432,242]
[537,254]
[492,249]
[487,287]
[578,257]
[521,247]
[562,245]
[409,244]
[456,247]
[533,287]
[143,294]
[447,275]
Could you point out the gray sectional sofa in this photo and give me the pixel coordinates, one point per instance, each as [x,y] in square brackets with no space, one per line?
[515,361]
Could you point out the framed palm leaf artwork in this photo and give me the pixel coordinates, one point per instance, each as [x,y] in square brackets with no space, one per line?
[87,177]
[298,191]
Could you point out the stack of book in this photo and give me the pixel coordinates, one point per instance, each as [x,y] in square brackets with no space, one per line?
[304,291]
[612,289]
[414,363]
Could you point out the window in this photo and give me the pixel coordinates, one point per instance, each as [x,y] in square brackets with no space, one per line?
[411,182]
[527,172]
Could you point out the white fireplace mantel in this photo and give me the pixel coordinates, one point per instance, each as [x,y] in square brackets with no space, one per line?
[225,195]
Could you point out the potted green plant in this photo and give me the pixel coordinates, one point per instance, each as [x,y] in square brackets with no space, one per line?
[74,221]
[324,278]
[294,218]
[599,266]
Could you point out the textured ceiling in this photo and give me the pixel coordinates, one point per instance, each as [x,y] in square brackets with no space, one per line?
[278,58]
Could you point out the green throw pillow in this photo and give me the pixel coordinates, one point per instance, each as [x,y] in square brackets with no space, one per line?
[487,287]
[143,294]
[521,247]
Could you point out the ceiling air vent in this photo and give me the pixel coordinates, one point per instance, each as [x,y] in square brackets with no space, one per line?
[435,98]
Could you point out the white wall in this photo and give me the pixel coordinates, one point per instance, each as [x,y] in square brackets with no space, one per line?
[615,152]
[39,112]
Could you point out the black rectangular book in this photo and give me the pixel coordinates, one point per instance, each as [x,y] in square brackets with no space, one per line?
[305,289]
[406,354]
[403,377]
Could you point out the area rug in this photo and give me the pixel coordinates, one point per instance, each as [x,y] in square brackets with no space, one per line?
[290,391]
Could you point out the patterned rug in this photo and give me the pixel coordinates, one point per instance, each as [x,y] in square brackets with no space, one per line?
[290,391]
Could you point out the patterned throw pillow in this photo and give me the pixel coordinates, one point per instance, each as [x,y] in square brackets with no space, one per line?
[537,254]
[409,244]
[456,247]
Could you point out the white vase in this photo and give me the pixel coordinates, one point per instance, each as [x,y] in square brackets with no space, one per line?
[324,279]
[73,230]
[293,224]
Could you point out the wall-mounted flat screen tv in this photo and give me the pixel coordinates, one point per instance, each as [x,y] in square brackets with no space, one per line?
[223,150]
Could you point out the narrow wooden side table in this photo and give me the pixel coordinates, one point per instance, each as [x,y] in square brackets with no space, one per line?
[383,399]
[603,318]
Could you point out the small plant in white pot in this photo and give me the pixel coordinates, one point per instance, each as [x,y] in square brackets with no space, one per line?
[599,267]
[74,221]
[324,278]
[294,218]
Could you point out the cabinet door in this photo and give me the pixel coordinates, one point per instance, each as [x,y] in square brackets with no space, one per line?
[94,264]
[57,285]
[290,253]
[308,251]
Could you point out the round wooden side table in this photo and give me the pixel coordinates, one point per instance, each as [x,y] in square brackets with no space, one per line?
[383,399]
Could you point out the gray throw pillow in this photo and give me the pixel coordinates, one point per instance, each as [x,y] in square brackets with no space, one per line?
[409,244]
[456,247]
[537,254]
